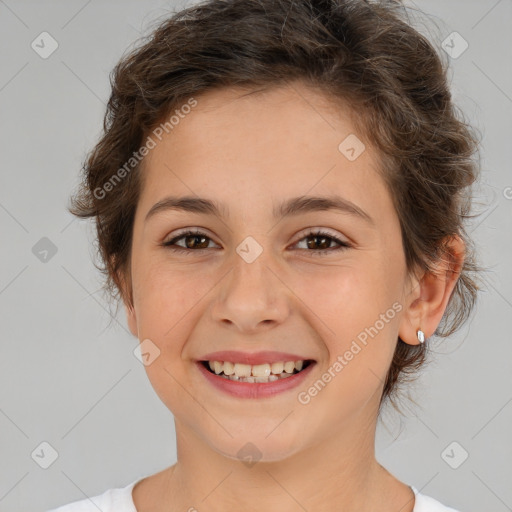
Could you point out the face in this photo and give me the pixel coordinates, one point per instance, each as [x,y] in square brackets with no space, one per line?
[322,285]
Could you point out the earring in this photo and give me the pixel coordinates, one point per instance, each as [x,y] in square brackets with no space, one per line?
[421,335]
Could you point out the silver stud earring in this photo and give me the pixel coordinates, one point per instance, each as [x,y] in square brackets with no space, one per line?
[421,335]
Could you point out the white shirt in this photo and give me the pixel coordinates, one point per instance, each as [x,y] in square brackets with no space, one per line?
[120,500]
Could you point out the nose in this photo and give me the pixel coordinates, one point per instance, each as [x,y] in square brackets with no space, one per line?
[251,297]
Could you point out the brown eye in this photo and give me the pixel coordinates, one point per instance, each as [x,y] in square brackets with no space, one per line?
[319,242]
[322,241]
[194,240]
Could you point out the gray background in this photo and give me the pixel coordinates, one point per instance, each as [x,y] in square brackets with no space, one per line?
[68,379]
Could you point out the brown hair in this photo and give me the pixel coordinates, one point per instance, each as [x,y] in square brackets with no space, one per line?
[358,53]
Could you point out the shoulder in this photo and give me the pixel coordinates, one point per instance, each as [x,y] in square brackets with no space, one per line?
[118,499]
[428,504]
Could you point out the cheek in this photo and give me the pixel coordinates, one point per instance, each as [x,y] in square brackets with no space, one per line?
[343,296]
[167,292]
[167,303]
[355,309]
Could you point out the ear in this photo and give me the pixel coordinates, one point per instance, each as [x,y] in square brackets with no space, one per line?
[429,295]
[125,287]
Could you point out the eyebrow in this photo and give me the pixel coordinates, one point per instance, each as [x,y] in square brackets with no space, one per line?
[290,207]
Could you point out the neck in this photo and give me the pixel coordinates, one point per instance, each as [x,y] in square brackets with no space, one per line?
[337,473]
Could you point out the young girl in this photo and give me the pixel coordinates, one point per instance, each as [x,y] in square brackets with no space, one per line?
[279,197]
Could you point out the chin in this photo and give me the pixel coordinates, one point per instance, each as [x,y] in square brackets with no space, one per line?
[250,450]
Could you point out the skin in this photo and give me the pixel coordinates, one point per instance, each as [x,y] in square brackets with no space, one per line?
[250,153]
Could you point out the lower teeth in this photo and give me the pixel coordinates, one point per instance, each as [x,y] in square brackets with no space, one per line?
[270,378]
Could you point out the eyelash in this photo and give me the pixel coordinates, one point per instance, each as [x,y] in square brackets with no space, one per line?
[343,245]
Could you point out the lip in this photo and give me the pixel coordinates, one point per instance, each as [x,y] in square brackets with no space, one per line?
[257,389]
[252,358]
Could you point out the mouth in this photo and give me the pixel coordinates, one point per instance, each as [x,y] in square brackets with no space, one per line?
[258,373]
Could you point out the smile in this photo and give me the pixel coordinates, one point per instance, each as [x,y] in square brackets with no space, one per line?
[257,373]
[264,380]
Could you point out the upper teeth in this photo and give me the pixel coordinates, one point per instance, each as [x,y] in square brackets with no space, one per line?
[256,370]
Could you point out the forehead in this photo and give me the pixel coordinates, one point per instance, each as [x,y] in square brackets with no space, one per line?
[240,146]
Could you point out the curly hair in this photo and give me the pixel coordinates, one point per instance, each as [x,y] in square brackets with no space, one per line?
[356,52]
